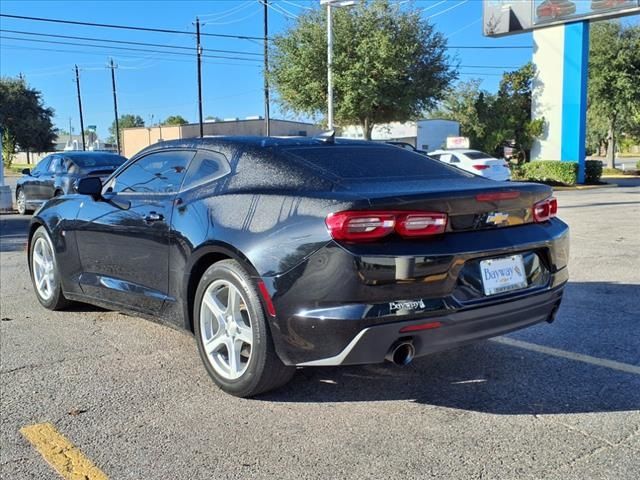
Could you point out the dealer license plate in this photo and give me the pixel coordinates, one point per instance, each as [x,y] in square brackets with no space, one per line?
[501,275]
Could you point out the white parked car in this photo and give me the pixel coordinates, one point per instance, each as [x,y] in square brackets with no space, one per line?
[475,162]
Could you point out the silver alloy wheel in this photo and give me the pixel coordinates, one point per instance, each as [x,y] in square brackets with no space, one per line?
[43,268]
[22,202]
[225,329]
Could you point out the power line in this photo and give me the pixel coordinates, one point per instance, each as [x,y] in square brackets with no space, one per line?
[448,9]
[243,37]
[141,57]
[127,27]
[126,42]
[125,48]
[229,12]
[297,5]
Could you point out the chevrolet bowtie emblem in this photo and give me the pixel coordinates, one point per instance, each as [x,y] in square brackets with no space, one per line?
[497,218]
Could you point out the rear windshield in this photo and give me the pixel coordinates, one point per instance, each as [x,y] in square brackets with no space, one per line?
[478,156]
[97,160]
[357,161]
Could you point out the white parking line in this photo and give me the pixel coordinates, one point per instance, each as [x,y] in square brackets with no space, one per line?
[579,357]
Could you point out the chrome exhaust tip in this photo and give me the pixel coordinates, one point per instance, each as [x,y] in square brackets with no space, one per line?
[401,353]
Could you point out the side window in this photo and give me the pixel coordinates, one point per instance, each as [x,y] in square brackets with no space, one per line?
[206,166]
[42,166]
[435,156]
[56,166]
[160,172]
[454,159]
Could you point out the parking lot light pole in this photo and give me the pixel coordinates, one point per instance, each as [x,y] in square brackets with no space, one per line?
[330,4]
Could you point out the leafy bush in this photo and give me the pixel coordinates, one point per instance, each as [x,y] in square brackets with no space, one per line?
[552,172]
[592,171]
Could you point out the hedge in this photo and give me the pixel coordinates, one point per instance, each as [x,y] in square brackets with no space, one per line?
[592,171]
[554,172]
[550,171]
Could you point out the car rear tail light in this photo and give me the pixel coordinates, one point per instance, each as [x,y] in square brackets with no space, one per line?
[420,224]
[360,225]
[356,226]
[480,167]
[545,210]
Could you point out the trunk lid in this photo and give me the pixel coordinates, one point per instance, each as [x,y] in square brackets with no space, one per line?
[471,204]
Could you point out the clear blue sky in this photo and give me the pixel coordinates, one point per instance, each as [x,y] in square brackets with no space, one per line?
[161,85]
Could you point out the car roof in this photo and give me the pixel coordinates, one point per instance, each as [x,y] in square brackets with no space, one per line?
[256,141]
[79,153]
[456,150]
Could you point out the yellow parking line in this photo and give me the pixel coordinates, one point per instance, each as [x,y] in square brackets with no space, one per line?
[60,453]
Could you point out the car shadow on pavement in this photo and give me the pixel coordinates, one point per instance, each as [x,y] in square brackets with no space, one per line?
[589,362]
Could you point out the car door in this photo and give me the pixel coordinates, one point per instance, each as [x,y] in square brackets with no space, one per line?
[123,237]
[48,179]
[32,185]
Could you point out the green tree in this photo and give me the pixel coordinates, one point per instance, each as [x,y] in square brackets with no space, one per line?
[389,65]
[175,120]
[614,82]
[24,118]
[124,121]
[493,120]
[8,147]
[465,104]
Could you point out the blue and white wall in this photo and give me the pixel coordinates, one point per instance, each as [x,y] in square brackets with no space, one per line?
[561,56]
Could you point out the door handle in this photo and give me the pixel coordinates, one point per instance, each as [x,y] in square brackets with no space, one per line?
[153,217]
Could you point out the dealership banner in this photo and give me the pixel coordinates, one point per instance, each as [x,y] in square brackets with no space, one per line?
[504,17]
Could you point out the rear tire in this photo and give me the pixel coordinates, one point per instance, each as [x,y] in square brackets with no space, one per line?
[45,274]
[21,203]
[237,329]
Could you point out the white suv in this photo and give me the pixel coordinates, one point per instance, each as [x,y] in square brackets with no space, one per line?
[475,162]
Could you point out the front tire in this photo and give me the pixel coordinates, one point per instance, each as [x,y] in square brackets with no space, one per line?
[45,274]
[232,334]
[21,203]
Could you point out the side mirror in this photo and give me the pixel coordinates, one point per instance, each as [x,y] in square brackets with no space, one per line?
[26,171]
[89,186]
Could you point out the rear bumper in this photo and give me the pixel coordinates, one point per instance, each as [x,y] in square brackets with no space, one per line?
[371,344]
[342,295]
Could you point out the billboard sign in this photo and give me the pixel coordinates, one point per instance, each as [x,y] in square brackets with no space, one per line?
[504,17]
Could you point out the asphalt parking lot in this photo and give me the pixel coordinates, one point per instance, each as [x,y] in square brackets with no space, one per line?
[559,401]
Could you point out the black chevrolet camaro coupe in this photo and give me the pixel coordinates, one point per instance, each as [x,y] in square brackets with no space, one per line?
[279,253]
[58,174]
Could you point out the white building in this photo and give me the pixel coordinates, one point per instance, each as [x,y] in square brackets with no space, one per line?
[423,134]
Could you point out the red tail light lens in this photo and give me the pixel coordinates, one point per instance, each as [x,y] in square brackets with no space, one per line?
[355,226]
[480,167]
[545,210]
[420,224]
[363,226]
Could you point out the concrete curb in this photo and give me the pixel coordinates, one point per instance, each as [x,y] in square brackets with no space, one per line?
[585,187]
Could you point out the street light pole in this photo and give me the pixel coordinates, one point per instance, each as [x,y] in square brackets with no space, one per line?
[329,68]
[330,4]
[199,58]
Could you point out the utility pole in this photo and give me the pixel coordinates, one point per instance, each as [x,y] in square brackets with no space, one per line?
[84,146]
[115,102]
[267,122]
[199,54]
